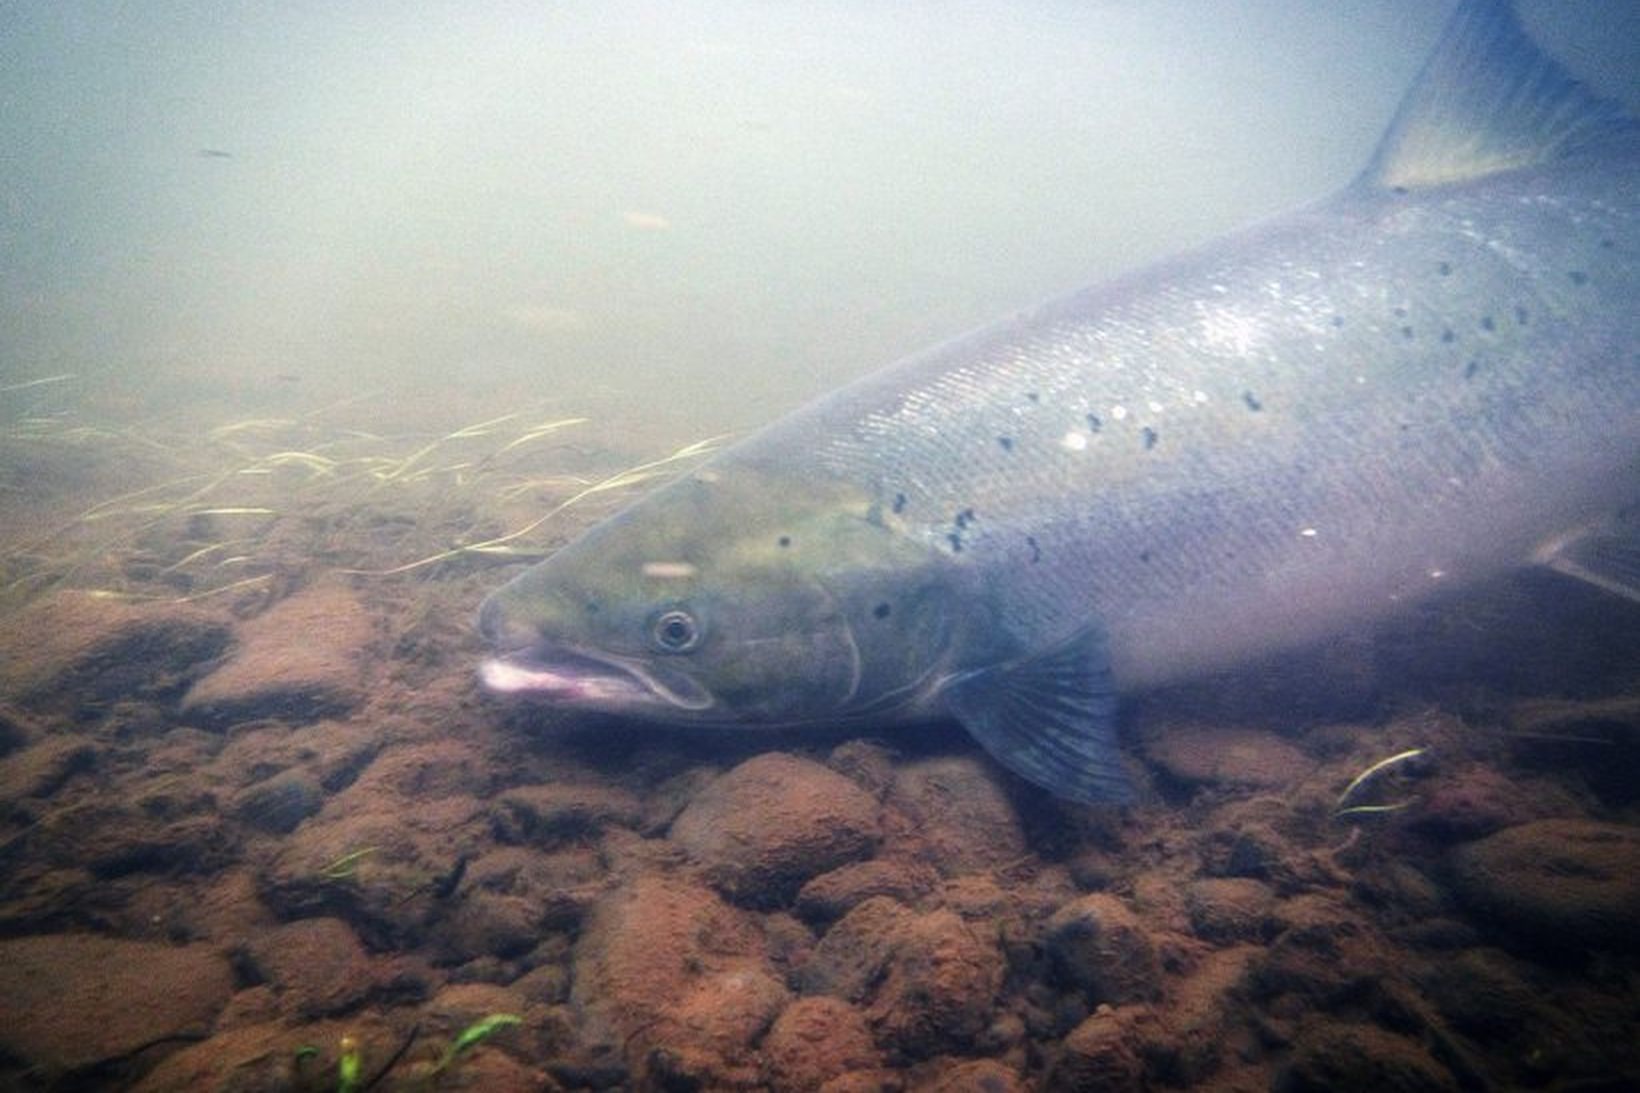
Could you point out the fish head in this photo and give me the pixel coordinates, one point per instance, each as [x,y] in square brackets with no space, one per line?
[731,599]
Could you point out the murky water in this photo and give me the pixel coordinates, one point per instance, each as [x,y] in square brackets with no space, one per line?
[316,324]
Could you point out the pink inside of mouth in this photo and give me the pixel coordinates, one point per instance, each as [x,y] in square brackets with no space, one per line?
[509,678]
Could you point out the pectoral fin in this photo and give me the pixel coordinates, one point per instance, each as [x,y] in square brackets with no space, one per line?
[1049,718]
[1606,555]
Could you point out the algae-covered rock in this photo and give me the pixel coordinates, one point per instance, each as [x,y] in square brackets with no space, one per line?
[773,822]
[1099,945]
[303,659]
[1564,882]
[72,1001]
[926,982]
[815,1040]
[75,648]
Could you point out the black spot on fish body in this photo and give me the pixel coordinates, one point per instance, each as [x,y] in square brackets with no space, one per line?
[1578,277]
[1400,313]
[964,518]
[1036,551]
[1144,556]
[1033,396]
[1448,336]
[1007,443]
[1445,269]
[1338,320]
[1471,368]
[899,503]
[1522,316]
[1252,401]
[1399,190]
[881,611]
[1607,244]
[1406,332]
[1151,436]
[592,608]
[1094,424]
[956,542]
[1488,323]
[784,541]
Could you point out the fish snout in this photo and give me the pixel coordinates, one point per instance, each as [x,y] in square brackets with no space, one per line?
[503,631]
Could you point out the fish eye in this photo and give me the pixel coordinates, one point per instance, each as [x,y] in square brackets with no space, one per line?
[674,631]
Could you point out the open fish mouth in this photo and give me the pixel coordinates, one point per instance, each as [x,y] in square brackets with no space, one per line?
[598,681]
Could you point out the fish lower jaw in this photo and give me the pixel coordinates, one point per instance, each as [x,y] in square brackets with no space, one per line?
[611,693]
[592,684]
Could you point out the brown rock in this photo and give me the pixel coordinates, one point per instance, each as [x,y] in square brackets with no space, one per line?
[511,896]
[315,965]
[1565,882]
[1232,757]
[1473,802]
[71,1001]
[927,982]
[303,659]
[1229,908]
[815,1040]
[554,812]
[42,770]
[771,823]
[1336,1058]
[832,895]
[75,647]
[279,803]
[427,769]
[953,813]
[973,1076]
[1102,1054]
[671,970]
[1099,945]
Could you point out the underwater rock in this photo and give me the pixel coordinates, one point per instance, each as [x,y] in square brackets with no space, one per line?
[973,1076]
[1340,1058]
[1228,757]
[426,770]
[557,811]
[384,864]
[927,982]
[1473,802]
[301,660]
[509,897]
[279,803]
[814,1040]
[77,648]
[1099,945]
[1229,908]
[952,812]
[867,763]
[1102,1054]
[1560,882]
[832,895]
[771,823]
[71,1001]
[1484,994]
[42,769]
[671,970]
[316,966]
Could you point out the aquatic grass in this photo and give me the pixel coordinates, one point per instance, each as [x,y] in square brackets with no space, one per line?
[471,1036]
[1341,807]
[248,505]
[623,480]
[346,867]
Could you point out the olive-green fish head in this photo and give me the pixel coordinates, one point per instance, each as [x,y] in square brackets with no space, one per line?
[728,598]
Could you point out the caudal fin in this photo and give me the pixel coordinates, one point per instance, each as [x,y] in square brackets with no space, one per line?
[1489,100]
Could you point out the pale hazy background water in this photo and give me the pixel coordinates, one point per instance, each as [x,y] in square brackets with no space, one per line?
[692,216]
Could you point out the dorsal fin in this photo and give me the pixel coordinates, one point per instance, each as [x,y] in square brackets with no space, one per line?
[1489,100]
